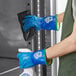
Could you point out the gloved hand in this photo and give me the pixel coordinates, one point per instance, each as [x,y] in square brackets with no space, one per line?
[39,23]
[29,59]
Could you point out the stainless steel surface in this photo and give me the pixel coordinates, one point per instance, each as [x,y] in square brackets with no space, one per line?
[53,38]
[48,38]
[48,33]
[39,67]
[38,40]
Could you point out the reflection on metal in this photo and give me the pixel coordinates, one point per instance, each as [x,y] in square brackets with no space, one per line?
[37,42]
[39,67]
[53,37]
[47,34]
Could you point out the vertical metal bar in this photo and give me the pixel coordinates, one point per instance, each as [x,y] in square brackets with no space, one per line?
[32,12]
[39,67]
[38,41]
[37,8]
[44,8]
[47,33]
[53,38]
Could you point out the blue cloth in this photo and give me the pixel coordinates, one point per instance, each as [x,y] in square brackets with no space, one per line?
[39,23]
[29,59]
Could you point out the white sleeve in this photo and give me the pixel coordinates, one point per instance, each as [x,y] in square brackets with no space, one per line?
[74,8]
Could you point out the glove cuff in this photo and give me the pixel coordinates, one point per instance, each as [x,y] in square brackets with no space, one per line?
[57,24]
[50,23]
[48,61]
[39,57]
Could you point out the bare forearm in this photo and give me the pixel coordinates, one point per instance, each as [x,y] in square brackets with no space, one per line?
[60,49]
[66,46]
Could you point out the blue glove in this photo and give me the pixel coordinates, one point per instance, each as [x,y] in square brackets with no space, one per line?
[49,23]
[39,23]
[29,59]
[32,21]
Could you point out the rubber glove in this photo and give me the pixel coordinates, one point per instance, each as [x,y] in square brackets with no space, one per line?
[39,23]
[30,59]
[31,21]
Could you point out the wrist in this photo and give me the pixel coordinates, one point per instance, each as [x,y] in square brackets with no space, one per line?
[39,57]
[48,60]
[47,55]
[72,38]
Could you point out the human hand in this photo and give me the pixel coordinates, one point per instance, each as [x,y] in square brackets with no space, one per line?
[29,59]
[45,23]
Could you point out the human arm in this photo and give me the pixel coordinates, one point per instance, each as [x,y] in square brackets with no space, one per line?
[40,23]
[66,46]
[45,23]
[68,42]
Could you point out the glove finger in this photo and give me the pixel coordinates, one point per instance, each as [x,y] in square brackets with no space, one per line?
[18,55]
[25,60]
[27,21]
